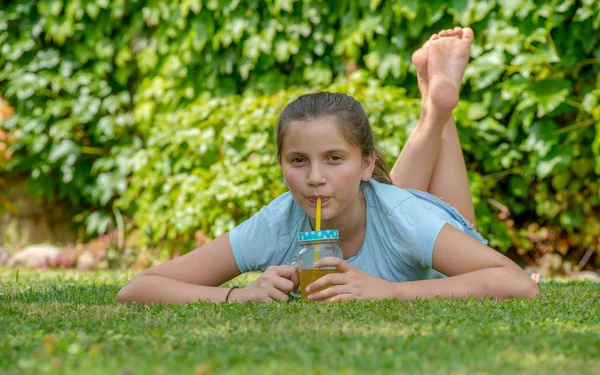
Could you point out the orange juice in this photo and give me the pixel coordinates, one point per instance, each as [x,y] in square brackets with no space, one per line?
[308,276]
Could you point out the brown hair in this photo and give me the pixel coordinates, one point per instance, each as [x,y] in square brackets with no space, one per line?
[349,115]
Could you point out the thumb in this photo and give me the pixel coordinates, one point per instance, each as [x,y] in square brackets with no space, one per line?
[296,277]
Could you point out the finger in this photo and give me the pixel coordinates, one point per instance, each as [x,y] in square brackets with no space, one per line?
[329,279]
[338,263]
[328,293]
[278,295]
[284,285]
[265,298]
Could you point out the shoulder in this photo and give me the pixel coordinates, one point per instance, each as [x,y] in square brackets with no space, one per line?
[283,210]
[398,206]
[386,197]
[267,237]
[280,216]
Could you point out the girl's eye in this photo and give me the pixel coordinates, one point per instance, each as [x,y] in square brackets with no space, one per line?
[297,160]
[335,158]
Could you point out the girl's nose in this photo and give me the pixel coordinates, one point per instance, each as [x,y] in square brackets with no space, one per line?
[315,176]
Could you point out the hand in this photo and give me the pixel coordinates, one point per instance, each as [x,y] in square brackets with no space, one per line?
[349,284]
[273,285]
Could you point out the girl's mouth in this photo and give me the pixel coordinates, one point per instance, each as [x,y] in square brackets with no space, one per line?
[313,200]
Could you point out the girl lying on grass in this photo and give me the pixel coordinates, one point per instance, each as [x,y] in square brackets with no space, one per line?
[398,238]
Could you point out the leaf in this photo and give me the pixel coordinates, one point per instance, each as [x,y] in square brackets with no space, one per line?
[485,70]
[65,147]
[560,180]
[390,64]
[541,138]
[590,101]
[477,111]
[518,186]
[318,74]
[282,51]
[583,166]
[545,167]
[550,101]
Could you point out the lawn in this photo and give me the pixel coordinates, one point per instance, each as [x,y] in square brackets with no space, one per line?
[68,322]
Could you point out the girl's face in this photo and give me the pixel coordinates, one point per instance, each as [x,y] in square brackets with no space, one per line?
[318,162]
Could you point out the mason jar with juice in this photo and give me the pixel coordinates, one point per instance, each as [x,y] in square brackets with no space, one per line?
[314,246]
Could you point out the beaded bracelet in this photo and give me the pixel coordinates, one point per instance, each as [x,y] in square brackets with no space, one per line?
[228,293]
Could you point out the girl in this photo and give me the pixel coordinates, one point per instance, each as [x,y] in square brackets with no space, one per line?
[399,242]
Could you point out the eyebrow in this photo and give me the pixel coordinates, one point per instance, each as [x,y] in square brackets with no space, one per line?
[332,151]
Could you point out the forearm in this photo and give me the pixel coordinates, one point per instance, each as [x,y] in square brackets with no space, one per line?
[497,282]
[159,289]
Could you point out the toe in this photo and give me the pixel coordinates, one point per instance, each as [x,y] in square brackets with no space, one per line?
[458,31]
[434,37]
[467,33]
[419,57]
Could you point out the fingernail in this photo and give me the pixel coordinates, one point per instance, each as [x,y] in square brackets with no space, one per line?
[311,297]
[307,289]
[316,264]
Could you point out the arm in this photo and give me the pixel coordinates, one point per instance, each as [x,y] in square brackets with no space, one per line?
[189,278]
[197,275]
[472,269]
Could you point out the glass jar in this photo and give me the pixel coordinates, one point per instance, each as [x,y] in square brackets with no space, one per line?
[314,246]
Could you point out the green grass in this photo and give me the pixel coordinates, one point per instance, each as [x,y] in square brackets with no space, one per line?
[69,323]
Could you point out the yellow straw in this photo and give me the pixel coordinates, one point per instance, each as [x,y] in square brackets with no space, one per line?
[318,226]
[318,213]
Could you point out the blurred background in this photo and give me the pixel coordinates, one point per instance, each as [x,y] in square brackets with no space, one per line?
[133,131]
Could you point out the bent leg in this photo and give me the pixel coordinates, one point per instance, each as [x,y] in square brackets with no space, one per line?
[432,158]
[416,163]
[449,180]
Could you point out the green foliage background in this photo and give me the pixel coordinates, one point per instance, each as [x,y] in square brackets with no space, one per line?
[165,110]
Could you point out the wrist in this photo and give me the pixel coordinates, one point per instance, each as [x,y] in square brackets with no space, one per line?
[396,291]
[236,295]
[229,296]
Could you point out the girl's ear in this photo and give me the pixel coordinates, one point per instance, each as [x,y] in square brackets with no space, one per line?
[368,166]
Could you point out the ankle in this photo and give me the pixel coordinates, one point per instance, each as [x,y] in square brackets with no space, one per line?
[434,115]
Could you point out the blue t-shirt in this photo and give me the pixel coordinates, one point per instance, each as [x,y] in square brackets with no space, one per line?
[401,230]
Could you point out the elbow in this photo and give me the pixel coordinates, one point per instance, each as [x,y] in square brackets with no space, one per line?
[529,289]
[123,295]
[522,285]
[127,293]
[517,284]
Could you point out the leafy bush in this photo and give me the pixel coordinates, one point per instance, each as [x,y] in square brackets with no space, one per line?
[163,109]
[212,163]
[70,86]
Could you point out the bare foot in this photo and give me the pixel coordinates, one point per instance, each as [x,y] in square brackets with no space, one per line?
[440,65]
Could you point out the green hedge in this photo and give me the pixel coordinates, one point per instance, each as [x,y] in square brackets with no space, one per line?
[212,163]
[64,68]
[153,107]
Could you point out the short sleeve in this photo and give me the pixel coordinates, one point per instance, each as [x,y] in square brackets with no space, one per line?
[418,228]
[253,244]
